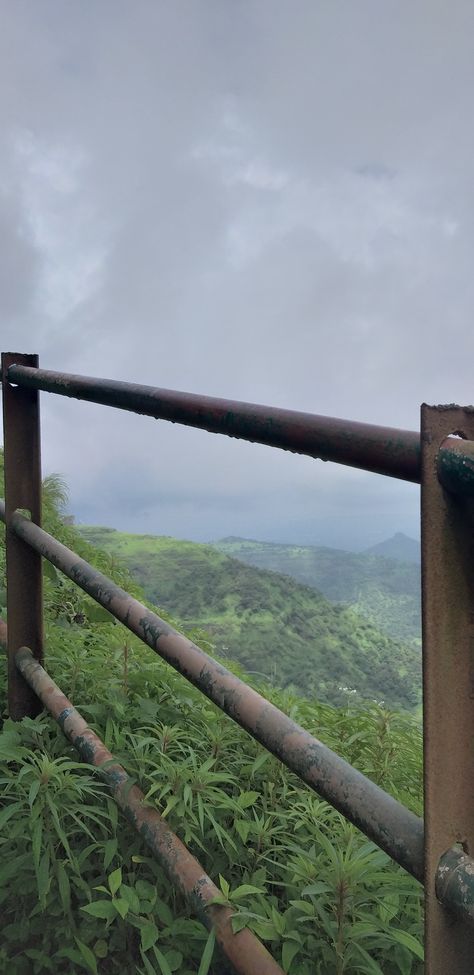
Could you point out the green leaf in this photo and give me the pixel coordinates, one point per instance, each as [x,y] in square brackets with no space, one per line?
[259,761]
[101,948]
[265,930]
[43,878]
[148,965]
[408,941]
[225,887]
[162,910]
[247,799]
[121,906]
[64,887]
[318,888]
[164,967]
[243,828]
[239,922]
[33,791]
[220,899]
[278,921]
[245,890]
[288,953]
[73,956]
[97,614]
[174,959]
[149,934]
[131,897]
[110,850]
[304,906]
[8,812]
[50,572]
[371,966]
[114,880]
[103,909]
[207,955]
[36,838]
[87,955]
[145,890]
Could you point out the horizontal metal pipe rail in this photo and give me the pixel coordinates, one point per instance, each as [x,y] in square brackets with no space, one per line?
[244,950]
[455,874]
[375,448]
[381,817]
[381,450]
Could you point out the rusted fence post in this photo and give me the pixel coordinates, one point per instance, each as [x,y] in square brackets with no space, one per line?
[22,452]
[448,683]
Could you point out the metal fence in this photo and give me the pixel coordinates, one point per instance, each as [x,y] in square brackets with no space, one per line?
[436,850]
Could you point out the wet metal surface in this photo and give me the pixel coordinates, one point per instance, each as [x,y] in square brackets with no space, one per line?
[384,820]
[456,466]
[246,953]
[22,455]
[448,683]
[383,450]
[455,884]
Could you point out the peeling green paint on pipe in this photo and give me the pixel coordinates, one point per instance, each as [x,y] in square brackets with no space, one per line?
[455,883]
[456,467]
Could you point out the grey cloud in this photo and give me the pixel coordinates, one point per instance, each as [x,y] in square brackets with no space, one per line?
[263,200]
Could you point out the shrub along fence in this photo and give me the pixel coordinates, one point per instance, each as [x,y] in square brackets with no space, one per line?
[437,850]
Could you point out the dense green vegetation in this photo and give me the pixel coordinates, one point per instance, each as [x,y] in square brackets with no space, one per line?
[78,891]
[383,590]
[268,622]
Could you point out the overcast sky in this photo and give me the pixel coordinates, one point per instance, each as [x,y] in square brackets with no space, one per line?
[267,200]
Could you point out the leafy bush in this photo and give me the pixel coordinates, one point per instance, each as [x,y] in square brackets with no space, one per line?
[78,891]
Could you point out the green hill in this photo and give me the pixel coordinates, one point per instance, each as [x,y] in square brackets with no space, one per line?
[385,591]
[399,547]
[268,622]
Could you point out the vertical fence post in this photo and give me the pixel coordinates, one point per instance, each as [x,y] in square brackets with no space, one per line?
[22,455]
[448,684]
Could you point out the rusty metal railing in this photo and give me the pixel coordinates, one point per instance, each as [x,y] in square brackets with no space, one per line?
[243,949]
[436,851]
[384,820]
[382,450]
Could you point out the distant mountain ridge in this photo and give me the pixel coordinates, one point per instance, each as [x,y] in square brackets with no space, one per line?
[268,622]
[400,547]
